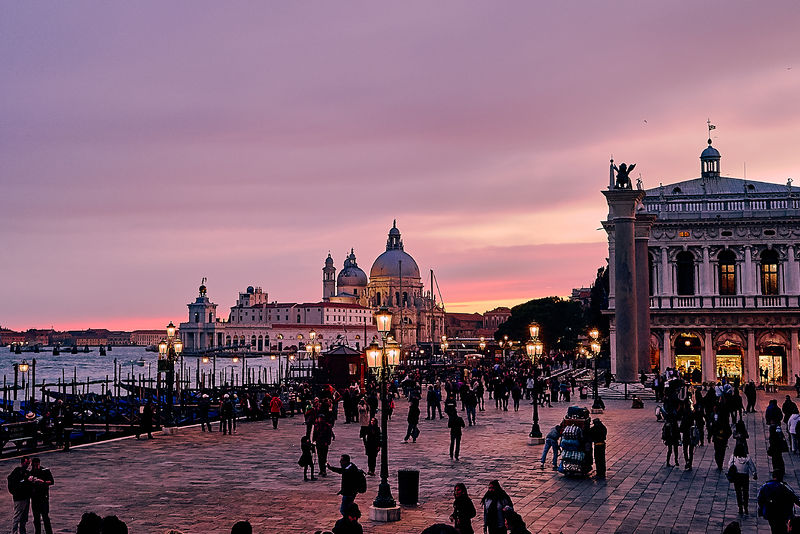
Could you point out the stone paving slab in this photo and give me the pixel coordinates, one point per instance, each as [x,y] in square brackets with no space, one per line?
[203,483]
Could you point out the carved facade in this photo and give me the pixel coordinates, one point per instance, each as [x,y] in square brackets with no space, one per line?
[724,266]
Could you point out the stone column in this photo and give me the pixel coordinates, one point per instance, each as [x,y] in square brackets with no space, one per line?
[751,363]
[791,272]
[643,224]
[709,364]
[794,359]
[666,355]
[622,205]
[748,271]
[707,284]
[666,284]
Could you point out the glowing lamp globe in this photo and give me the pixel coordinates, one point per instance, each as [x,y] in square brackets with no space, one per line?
[383,318]
[392,353]
[534,329]
[373,356]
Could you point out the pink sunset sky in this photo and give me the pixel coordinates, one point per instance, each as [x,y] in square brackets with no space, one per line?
[146,145]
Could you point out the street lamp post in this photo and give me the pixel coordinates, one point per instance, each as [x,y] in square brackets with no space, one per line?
[534,348]
[595,346]
[168,351]
[384,507]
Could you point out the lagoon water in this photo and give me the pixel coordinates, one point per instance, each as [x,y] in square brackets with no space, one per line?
[93,366]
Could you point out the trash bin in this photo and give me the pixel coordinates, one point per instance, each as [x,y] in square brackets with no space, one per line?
[408,487]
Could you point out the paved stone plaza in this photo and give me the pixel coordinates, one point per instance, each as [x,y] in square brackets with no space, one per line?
[201,483]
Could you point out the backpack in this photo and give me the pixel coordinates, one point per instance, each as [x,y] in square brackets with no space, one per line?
[361,487]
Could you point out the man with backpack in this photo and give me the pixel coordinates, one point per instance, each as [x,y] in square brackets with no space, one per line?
[353,482]
[776,503]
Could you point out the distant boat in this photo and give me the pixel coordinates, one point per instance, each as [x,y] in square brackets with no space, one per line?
[102,350]
[56,350]
[140,362]
[151,348]
[86,348]
[74,349]
[109,347]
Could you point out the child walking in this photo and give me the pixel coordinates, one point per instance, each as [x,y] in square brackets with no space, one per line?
[307,458]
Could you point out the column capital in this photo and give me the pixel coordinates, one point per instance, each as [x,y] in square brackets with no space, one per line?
[643,223]
[622,202]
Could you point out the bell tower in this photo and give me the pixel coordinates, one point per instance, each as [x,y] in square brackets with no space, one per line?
[328,279]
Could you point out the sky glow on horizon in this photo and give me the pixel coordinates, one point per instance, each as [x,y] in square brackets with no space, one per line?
[148,145]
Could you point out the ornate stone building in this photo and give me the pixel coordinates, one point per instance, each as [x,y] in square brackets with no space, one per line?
[344,316]
[724,275]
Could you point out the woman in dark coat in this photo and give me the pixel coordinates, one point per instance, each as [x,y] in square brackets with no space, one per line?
[413,421]
[372,444]
[494,504]
[463,510]
[670,435]
[146,420]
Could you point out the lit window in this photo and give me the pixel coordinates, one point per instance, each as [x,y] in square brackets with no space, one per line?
[683,233]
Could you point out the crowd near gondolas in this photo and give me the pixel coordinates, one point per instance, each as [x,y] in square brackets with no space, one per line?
[692,415]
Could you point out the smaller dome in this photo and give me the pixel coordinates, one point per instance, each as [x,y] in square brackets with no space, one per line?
[351,275]
[329,260]
[710,152]
[203,289]
[250,290]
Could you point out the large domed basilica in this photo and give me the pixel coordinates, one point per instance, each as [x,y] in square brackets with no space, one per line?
[394,282]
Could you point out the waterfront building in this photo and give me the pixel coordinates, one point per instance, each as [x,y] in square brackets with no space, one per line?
[724,276]
[147,337]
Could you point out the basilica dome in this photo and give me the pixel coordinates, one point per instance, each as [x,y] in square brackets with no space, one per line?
[351,275]
[389,263]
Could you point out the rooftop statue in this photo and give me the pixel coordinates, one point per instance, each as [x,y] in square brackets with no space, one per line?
[623,180]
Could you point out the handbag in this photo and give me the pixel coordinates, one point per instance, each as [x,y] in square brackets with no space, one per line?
[732,472]
[415,433]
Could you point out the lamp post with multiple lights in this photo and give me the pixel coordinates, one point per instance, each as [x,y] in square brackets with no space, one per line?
[169,350]
[381,358]
[534,348]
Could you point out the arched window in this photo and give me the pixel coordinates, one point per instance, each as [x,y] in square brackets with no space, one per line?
[253,342]
[397,299]
[651,275]
[685,271]
[197,317]
[727,272]
[405,299]
[228,340]
[769,272]
[210,317]
[378,298]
